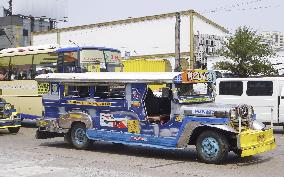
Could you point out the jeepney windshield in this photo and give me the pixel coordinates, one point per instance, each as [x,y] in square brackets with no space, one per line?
[194,92]
[192,89]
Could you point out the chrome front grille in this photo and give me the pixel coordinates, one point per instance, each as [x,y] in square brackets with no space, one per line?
[241,116]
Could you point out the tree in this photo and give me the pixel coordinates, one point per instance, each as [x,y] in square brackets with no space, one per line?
[247,55]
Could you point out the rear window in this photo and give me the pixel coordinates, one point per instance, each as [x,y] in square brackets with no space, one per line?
[259,88]
[231,88]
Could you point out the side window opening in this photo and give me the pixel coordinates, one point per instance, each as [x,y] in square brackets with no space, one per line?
[259,88]
[116,91]
[76,91]
[231,88]
[101,91]
[158,108]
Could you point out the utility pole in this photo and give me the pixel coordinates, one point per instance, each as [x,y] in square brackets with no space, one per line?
[192,59]
[177,43]
[10,6]
[11,21]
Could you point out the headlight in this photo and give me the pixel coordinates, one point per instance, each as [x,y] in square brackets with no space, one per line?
[245,111]
[8,106]
[233,113]
[250,111]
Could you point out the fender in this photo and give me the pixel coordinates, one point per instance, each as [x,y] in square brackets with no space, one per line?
[189,128]
[66,120]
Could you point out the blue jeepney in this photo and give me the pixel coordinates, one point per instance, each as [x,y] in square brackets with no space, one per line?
[9,118]
[122,108]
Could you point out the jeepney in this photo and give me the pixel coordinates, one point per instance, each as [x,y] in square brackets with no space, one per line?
[9,118]
[121,108]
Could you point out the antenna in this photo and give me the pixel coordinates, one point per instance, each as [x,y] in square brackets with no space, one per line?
[72,42]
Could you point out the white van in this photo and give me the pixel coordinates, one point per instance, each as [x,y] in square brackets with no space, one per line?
[265,94]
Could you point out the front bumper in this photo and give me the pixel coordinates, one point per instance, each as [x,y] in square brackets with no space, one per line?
[10,123]
[50,125]
[253,142]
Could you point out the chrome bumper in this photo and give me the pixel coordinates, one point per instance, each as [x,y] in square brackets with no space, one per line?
[50,125]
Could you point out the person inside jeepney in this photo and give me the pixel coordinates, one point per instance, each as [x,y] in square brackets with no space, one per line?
[24,75]
[13,74]
[2,75]
[158,108]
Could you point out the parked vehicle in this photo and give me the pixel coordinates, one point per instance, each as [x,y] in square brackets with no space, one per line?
[121,108]
[9,117]
[265,94]
[224,74]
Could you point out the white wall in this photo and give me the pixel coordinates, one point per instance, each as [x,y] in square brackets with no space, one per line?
[44,39]
[140,38]
[205,28]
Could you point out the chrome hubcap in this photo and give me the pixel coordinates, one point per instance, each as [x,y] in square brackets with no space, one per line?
[80,136]
[210,147]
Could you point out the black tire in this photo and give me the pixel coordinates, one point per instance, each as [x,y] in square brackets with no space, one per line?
[212,147]
[78,136]
[238,152]
[14,129]
[67,138]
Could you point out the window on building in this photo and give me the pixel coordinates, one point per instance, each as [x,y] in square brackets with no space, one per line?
[207,42]
[25,32]
[231,88]
[259,88]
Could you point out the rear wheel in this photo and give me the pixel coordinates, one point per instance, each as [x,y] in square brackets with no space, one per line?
[212,147]
[14,129]
[78,136]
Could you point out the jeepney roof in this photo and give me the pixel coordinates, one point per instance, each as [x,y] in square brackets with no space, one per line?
[75,49]
[106,77]
[252,79]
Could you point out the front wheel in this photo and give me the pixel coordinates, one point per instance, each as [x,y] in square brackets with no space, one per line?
[14,129]
[78,137]
[212,147]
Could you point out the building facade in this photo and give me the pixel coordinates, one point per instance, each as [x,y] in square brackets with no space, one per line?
[16,30]
[274,38]
[149,37]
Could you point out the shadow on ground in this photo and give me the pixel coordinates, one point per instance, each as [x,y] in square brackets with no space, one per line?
[181,156]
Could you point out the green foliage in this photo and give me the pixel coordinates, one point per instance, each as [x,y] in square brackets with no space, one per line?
[247,55]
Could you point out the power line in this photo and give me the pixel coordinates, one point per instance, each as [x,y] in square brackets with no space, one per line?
[237,7]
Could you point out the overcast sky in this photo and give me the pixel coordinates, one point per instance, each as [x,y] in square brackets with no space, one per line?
[263,15]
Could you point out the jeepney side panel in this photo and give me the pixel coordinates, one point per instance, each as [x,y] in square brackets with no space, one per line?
[51,101]
[140,131]
[189,124]
[96,113]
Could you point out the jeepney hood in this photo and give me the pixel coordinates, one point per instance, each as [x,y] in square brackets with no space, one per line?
[207,109]
[241,116]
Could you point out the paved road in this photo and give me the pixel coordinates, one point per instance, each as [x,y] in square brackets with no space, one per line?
[23,155]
